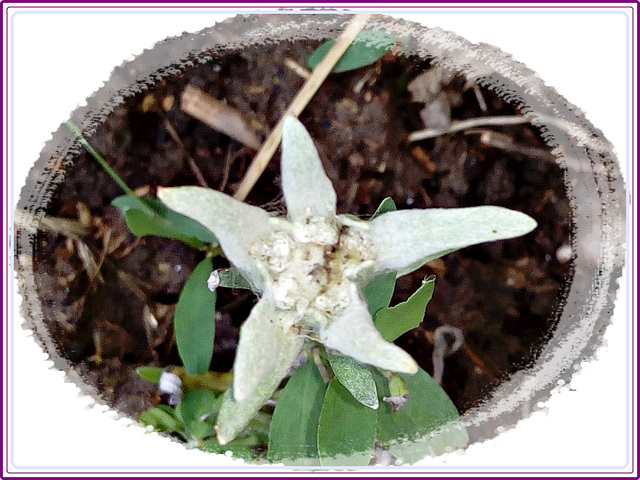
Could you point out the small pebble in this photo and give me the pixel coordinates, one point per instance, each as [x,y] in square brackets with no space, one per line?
[164,267]
[147,102]
[167,102]
[564,253]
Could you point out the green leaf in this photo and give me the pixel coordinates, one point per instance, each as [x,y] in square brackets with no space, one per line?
[394,321]
[240,448]
[100,159]
[294,427]
[163,222]
[194,320]
[260,426]
[246,445]
[232,278]
[346,430]
[379,291]
[368,47]
[356,378]
[386,205]
[428,424]
[151,374]
[196,407]
[161,418]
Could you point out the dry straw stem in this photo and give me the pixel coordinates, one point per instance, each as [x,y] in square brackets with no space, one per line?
[218,116]
[304,95]
[574,130]
[32,223]
[192,163]
[467,124]
[297,68]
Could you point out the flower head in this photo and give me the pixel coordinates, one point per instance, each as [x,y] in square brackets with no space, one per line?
[311,266]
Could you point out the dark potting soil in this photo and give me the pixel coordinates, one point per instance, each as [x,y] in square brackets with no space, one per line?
[503,296]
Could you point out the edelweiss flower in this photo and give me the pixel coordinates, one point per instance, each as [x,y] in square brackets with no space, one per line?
[312,266]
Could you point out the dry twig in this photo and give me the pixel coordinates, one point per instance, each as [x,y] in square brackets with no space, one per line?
[32,223]
[579,133]
[297,68]
[226,170]
[467,124]
[218,115]
[480,98]
[192,163]
[503,142]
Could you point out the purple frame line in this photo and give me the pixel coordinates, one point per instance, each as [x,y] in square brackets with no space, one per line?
[242,472]
[632,122]
[250,4]
[5,215]
[566,5]
[523,7]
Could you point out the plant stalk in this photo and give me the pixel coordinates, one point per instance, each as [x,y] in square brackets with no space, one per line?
[106,167]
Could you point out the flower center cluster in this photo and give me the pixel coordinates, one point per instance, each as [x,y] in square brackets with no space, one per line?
[310,268]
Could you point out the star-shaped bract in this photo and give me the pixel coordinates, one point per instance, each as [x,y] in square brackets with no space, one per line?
[311,266]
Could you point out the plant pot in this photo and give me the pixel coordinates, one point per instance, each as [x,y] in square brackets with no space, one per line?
[530,309]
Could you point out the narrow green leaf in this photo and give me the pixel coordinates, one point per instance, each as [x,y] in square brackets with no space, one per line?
[232,278]
[394,321]
[161,221]
[379,291]
[294,427]
[386,205]
[248,445]
[356,378]
[99,158]
[368,47]
[346,430]
[428,424]
[260,426]
[161,418]
[194,320]
[151,374]
[239,448]
[196,407]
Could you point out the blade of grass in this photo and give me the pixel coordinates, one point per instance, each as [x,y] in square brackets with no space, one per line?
[106,167]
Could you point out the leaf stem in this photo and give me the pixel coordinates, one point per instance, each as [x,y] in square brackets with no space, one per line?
[319,357]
